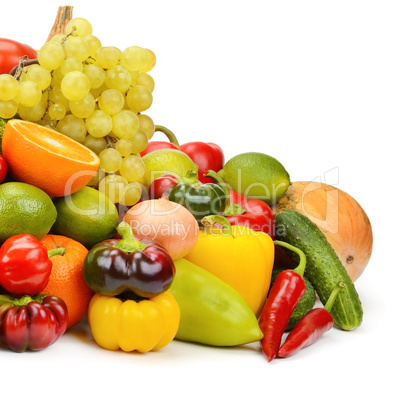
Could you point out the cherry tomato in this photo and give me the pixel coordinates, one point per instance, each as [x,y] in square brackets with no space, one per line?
[10,53]
[3,168]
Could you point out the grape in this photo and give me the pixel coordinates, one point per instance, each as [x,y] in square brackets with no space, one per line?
[146,81]
[139,98]
[99,175]
[94,44]
[113,187]
[8,87]
[51,55]
[134,58]
[117,77]
[139,142]
[56,96]
[57,77]
[29,94]
[95,74]
[151,61]
[40,75]
[71,64]
[73,127]
[77,47]
[111,101]
[124,147]
[132,168]
[132,194]
[75,85]
[34,113]
[125,124]
[110,160]
[96,144]
[57,111]
[84,107]
[99,124]
[58,38]
[81,27]
[107,56]
[8,109]
[147,125]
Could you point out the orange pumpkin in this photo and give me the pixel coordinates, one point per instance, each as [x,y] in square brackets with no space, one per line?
[340,218]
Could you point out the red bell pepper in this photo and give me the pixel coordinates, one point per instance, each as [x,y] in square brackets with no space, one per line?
[311,326]
[32,323]
[283,297]
[249,212]
[206,155]
[25,265]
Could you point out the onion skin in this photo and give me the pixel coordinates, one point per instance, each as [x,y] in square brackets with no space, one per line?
[340,218]
[167,222]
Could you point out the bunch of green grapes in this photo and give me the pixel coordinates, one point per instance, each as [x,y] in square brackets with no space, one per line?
[94,94]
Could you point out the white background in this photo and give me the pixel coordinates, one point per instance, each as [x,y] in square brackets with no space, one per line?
[316,84]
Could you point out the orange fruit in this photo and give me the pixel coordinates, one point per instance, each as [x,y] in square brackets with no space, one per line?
[66,279]
[47,159]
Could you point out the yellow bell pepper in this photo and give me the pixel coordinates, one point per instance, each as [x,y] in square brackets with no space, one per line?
[130,325]
[238,255]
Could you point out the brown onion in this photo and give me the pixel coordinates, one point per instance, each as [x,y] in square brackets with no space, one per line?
[167,222]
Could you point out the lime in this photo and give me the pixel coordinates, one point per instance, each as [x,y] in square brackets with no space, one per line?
[87,216]
[256,175]
[166,161]
[25,209]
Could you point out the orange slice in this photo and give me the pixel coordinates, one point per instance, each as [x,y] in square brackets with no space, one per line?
[47,159]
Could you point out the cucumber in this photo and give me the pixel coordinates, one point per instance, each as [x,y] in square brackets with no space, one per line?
[306,303]
[323,267]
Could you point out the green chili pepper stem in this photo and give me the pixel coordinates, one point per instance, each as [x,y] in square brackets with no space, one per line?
[211,219]
[230,209]
[56,251]
[330,302]
[302,263]
[128,243]
[169,134]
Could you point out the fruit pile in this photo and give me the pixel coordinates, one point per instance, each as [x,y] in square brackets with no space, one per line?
[154,241]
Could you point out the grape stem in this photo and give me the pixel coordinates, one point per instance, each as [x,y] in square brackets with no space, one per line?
[19,68]
[169,134]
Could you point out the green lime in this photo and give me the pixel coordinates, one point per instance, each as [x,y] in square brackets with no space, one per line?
[25,209]
[166,161]
[256,175]
[87,216]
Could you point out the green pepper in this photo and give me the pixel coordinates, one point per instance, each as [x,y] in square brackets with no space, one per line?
[200,199]
[211,311]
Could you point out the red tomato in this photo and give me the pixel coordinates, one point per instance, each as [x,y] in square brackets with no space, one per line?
[10,53]
[3,168]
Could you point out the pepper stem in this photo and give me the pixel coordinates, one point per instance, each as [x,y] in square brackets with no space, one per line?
[21,301]
[56,251]
[302,262]
[191,177]
[332,297]
[169,134]
[128,242]
[210,220]
[230,209]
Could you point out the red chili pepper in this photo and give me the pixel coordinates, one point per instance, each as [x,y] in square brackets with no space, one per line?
[206,155]
[283,297]
[32,323]
[162,185]
[25,265]
[310,327]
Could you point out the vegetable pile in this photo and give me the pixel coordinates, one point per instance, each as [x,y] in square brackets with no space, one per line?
[181,243]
